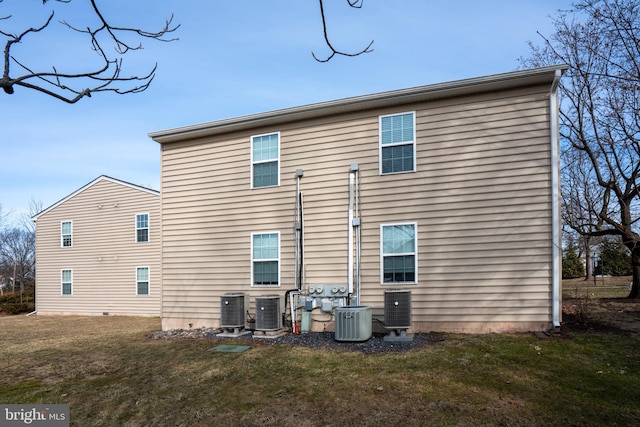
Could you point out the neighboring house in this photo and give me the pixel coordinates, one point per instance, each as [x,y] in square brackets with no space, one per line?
[447,190]
[98,251]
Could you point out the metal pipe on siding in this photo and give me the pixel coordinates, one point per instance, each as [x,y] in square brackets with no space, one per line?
[357,227]
[350,228]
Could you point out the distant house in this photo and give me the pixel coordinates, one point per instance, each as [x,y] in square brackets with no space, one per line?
[98,251]
[449,191]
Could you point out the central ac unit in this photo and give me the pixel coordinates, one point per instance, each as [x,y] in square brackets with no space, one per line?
[353,323]
[397,309]
[233,308]
[268,313]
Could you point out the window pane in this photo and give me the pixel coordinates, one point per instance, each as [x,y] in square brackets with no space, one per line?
[397,128]
[265,273]
[66,275]
[398,239]
[142,235]
[399,269]
[265,174]
[142,274]
[143,288]
[66,233]
[66,289]
[397,158]
[265,147]
[142,221]
[265,246]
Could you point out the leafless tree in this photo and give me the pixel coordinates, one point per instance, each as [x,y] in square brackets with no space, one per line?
[600,118]
[17,256]
[103,37]
[357,4]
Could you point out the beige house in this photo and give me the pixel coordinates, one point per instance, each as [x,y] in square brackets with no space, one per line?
[98,251]
[449,191]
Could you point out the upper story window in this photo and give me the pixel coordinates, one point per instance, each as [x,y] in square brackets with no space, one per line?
[397,143]
[398,253]
[265,259]
[66,232]
[67,282]
[142,227]
[142,280]
[265,154]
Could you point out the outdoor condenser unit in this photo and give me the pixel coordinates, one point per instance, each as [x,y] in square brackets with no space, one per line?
[353,323]
[397,309]
[268,313]
[233,307]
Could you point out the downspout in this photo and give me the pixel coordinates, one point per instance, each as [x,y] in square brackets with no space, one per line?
[556,263]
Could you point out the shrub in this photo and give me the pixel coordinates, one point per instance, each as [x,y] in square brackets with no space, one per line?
[572,266]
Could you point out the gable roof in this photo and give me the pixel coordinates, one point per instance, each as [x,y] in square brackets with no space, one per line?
[514,79]
[91,184]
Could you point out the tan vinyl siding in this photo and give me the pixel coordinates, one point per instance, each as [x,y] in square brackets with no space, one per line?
[104,255]
[480,196]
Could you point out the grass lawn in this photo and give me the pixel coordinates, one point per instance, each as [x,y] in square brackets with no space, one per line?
[112,374]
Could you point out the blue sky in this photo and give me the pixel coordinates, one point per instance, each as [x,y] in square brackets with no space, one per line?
[235,58]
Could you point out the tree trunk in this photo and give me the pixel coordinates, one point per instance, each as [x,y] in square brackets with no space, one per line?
[588,262]
[635,263]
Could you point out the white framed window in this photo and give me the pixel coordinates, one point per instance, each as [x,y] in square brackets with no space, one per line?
[142,227]
[66,279]
[399,253]
[66,234]
[397,143]
[265,259]
[265,160]
[142,280]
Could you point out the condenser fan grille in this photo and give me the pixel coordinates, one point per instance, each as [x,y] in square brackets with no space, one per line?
[268,313]
[232,309]
[397,309]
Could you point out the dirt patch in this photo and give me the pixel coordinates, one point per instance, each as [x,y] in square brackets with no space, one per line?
[610,315]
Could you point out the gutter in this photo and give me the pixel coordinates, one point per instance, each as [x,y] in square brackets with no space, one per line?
[556,232]
[504,81]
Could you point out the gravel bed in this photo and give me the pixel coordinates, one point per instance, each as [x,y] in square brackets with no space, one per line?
[320,340]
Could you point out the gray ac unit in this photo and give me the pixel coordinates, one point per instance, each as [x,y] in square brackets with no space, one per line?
[268,313]
[353,323]
[397,308]
[233,308]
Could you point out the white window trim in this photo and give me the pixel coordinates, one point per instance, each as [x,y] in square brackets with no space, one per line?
[264,161]
[267,259]
[415,254]
[148,227]
[62,235]
[415,163]
[62,282]
[148,282]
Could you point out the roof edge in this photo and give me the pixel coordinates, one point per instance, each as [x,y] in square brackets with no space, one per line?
[91,184]
[382,99]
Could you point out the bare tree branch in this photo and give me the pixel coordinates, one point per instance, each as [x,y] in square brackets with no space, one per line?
[352,3]
[107,76]
[600,118]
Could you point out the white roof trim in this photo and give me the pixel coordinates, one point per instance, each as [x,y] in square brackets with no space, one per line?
[91,184]
[503,81]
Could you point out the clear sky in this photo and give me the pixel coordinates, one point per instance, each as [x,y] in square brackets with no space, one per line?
[235,58]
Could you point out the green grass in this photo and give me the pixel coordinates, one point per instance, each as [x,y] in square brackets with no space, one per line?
[607,287]
[111,373]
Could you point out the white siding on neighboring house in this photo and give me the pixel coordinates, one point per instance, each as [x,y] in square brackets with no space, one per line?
[104,254]
[480,198]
